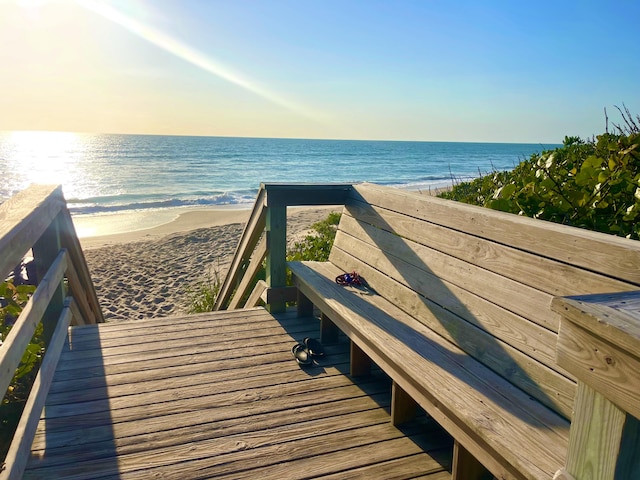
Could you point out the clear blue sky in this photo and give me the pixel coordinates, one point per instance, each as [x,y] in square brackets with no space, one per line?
[409,70]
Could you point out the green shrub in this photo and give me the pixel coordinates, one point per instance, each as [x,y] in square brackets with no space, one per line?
[316,246]
[203,297]
[14,298]
[592,184]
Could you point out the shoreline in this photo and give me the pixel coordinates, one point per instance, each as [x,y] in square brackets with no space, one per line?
[155,272]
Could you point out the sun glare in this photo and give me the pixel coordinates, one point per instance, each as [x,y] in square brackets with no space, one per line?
[43,157]
[31,3]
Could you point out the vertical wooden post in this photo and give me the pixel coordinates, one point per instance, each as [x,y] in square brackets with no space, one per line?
[276,232]
[595,438]
[304,306]
[329,331]
[599,343]
[360,361]
[466,466]
[403,407]
[45,250]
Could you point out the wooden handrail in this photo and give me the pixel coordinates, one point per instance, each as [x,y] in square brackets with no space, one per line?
[37,219]
[267,219]
[599,343]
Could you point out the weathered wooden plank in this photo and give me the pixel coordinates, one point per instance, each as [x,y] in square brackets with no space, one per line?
[268,459]
[257,258]
[342,462]
[20,335]
[613,256]
[403,407]
[432,466]
[181,351]
[449,389]
[491,254]
[164,334]
[182,386]
[466,467]
[595,436]
[482,298]
[525,371]
[125,328]
[23,219]
[92,442]
[18,454]
[83,291]
[601,365]
[248,241]
[614,317]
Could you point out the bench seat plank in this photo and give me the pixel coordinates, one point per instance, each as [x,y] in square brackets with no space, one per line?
[493,419]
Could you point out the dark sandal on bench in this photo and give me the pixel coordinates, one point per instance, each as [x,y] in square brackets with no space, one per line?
[314,347]
[301,354]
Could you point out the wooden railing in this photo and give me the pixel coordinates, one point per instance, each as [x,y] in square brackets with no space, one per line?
[264,238]
[38,220]
[599,342]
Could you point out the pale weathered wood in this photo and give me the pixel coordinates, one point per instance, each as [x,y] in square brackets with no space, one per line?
[20,335]
[19,450]
[252,232]
[562,474]
[255,411]
[489,253]
[84,291]
[23,219]
[276,263]
[360,361]
[451,386]
[555,390]
[596,432]
[466,466]
[602,365]
[608,254]
[403,407]
[254,266]
[254,298]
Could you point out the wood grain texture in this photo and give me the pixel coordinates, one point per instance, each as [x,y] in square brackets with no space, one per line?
[254,266]
[595,436]
[494,420]
[602,365]
[466,466]
[613,256]
[23,219]
[234,406]
[18,454]
[20,334]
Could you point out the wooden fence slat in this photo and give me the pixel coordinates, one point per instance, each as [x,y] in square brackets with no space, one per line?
[21,333]
[20,448]
[250,235]
[254,266]
[23,219]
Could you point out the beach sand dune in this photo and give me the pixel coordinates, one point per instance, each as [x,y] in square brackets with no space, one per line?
[151,276]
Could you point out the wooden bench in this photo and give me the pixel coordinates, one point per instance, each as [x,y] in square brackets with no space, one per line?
[458,315]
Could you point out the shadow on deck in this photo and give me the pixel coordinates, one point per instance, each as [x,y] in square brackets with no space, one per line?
[219,395]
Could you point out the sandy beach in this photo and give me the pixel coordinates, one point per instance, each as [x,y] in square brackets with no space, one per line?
[149,272]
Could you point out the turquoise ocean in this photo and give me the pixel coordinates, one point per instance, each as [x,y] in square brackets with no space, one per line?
[103,174]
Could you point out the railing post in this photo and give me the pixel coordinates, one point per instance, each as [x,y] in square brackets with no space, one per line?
[599,343]
[45,250]
[276,268]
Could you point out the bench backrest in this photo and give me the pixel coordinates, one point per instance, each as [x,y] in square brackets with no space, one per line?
[482,279]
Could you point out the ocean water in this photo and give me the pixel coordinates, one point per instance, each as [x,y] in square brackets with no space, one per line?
[104,174]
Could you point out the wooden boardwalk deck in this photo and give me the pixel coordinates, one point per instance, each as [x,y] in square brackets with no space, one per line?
[219,396]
